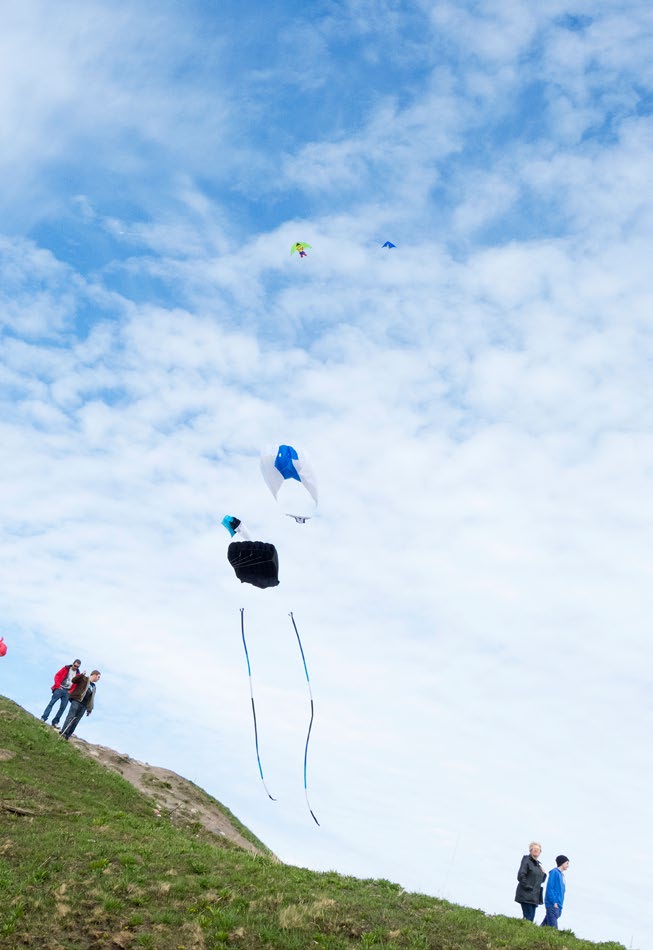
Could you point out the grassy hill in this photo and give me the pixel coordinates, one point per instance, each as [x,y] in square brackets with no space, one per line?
[88,861]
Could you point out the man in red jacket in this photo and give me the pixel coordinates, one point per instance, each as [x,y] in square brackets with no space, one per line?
[63,680]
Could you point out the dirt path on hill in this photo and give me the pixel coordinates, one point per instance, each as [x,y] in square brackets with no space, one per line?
[182,801]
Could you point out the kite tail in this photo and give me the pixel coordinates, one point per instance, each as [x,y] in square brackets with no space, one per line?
[310,725]
[251,693]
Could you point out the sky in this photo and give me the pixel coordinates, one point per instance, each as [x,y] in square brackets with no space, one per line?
[474,592]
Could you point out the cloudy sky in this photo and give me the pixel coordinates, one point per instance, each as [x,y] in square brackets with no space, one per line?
[474,596]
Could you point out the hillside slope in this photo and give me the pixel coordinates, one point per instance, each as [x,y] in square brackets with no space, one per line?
[183,802]
[89,861]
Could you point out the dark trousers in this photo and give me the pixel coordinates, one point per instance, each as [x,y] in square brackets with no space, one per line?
[528,910]
[75,713]
[552,917]
[57,694]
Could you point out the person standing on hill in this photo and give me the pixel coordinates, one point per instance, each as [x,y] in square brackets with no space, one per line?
[63,680]
[531,877]
[555,892]
[82,698]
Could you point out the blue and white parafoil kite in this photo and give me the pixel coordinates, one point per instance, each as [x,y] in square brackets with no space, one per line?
[235,526]
[290,477]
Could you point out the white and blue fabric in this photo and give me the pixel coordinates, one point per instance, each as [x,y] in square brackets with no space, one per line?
[290,477]
[235,527]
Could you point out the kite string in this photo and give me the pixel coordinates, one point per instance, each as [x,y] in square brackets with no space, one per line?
[251,693]
[310,725]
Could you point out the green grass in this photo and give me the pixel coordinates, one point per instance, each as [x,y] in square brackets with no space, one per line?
[90,865]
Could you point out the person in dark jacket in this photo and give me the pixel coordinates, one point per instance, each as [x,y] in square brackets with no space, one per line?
[63,680]
[531,877]
[82,697]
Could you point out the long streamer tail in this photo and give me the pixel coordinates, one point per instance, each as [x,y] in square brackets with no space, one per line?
[251,693]
[310,725]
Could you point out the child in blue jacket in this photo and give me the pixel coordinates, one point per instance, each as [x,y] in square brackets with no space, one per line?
[555,892]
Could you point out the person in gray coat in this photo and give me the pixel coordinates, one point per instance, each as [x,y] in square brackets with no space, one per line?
[82,697]
[531,876]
